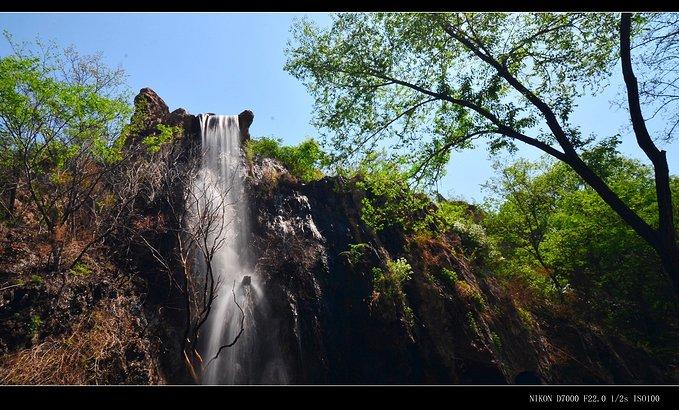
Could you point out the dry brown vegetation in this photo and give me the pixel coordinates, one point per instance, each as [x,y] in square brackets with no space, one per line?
[97,351]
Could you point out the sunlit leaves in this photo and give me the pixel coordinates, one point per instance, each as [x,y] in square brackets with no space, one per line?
[547,223]
[61,114]
[370,74]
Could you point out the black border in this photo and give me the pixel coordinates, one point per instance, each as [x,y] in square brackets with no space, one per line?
[334,396]
[337,397]
[336,5]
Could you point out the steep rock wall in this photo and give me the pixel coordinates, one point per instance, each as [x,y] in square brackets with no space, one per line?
[336,331]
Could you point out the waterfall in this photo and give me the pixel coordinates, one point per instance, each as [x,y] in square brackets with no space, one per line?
[220,194]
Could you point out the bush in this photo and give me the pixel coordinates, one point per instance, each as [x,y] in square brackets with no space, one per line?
[80,269]
[389,285]
[34,325]
[390,202]
[496,340]
[471,323]
[471,293]
[356,252]
[164,134]
[304,160]
[526,317]
[450,275]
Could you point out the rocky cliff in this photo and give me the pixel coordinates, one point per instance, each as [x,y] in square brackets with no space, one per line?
[338,330]
[327,323]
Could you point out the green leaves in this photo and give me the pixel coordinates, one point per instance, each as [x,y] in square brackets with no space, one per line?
[162,136]
[555,233]
[61,114]
[387,79]
[389,201]
[305,160]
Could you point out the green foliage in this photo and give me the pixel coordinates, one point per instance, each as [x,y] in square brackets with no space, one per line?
[461,219]
[450,275]
[472,294]
[34,325]
[356,252]
[164,134]
[305,160]
[80,269]
[389,285]
[496,340]
[37,279]
[557,236]
[390,202]
[478,299]
[394,78]
[68,113]
[471,323]
[526,317]
[154,141]
[61,115]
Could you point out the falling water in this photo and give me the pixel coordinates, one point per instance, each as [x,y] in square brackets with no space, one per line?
[250,359]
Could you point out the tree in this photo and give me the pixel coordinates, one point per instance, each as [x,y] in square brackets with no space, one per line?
[61,115]
[546,221]
[196,217]
[658,54]
[526,196]
[430,83]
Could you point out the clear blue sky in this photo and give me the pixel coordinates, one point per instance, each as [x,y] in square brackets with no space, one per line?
[227,62]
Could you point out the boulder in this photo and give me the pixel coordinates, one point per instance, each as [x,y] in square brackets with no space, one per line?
[244,122]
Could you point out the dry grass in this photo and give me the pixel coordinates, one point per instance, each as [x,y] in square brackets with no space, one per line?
[94,349]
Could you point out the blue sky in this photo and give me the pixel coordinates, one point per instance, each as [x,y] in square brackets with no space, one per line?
[227,62]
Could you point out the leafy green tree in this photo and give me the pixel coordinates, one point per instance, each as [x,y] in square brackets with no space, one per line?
[426,84]
[526,196]
[61,114]
[305,160]
[549,224]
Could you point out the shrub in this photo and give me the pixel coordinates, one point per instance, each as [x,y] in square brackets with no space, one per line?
[164,134]
[356,252]
[496,340]
[471,323]
[34,325]
[526,317]
[389,285]
[390,202]
[304,160]
[450,275]
[80,269]
[471,293]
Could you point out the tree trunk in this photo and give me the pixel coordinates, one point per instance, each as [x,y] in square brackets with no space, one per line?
[669,256]
[666,245]
[12,199]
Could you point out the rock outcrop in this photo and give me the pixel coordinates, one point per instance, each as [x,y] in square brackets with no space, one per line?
[244,122]
[332,328]
[335,330]
[325,323]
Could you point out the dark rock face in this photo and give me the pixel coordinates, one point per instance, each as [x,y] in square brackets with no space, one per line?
[334,330]
[330,326]
[244,122]
[154,108]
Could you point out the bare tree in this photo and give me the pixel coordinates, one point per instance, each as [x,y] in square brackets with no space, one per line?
[199,216]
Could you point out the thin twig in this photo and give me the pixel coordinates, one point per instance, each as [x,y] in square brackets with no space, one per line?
[242,328]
